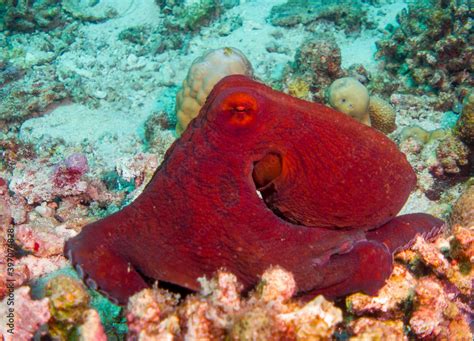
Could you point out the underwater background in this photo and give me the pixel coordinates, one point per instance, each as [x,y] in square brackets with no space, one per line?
[93,92]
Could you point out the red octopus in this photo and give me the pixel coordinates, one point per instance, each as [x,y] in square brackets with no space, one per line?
[260,178]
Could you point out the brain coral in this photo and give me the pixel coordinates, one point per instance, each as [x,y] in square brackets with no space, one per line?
[382,115]
[203,74]
[349,96]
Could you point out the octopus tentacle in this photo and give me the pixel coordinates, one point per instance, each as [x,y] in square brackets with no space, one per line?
[102,268]
[400,232]
[364,268]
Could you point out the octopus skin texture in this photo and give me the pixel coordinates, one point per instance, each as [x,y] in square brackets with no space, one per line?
[330,189]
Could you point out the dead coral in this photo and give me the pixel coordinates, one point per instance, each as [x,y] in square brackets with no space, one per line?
[451,155]
[12,273]
[219,311]
[367,328]
[43,236]
[435,314]
[68,301]
[31,96]
[27,16]
[28,315]
[350,16]
[431,256]
[465,124]
[317,64]
[438,157]
[148,314]
[432,47]
[93,11]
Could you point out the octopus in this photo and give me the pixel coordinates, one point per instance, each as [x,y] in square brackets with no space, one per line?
[260,179]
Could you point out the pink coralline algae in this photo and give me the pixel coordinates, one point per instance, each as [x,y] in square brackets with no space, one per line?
[431,284]
[29,316]
[438,157]
[430,255]
[91,329]
[70,171]
[43,237]
[12,273]
[435,312]
[40,181]
[219,311]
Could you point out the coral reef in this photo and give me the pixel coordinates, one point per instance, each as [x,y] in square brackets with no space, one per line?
[40,181]
[12,273]
[465,124]
[91,329]
[203,74]
[382,115]
[317,64]
[463,209]
[31,96]
[434,313]
[349,96]
[299,88]
[191,16]
[451,154]
[42,236]
[390,300]
[350,16]
[219,311]
[26,318]
[421,288]
[64,165]
[431,48]
[27,16]
[93,11]
[367,328]
[68,301]
[439,158]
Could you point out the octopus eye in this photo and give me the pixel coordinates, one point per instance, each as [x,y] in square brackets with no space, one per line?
[242,108]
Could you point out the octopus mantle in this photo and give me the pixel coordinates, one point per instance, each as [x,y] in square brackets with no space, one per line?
[330,189]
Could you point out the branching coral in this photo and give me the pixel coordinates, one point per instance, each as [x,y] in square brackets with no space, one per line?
[432,46]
